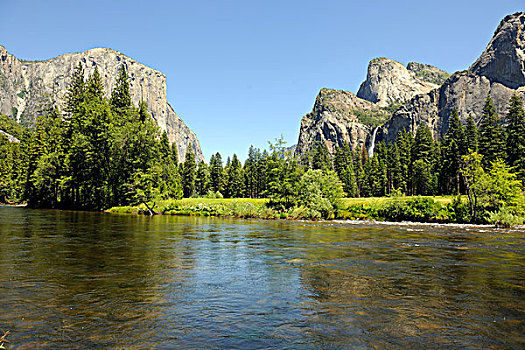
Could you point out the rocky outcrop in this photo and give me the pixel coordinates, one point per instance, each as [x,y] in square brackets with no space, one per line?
[503,61]
[499,72]
[427,73]
[389,82]
[338,117]
[427,94]
[28,86]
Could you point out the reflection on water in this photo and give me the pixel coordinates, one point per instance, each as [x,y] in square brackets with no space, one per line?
[91,280]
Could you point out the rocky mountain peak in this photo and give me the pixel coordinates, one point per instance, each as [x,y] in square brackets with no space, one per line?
[390,82]
[503,61]
[499,73]
[338,118]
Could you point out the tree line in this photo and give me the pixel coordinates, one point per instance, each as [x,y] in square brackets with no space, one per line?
[412,165]
[100,152]
[96,153]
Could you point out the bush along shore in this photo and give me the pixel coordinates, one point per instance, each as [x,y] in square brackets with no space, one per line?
[443,209]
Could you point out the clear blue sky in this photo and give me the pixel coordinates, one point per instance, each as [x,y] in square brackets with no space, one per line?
[243,72]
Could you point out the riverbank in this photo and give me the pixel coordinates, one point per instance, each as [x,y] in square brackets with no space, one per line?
[434,210]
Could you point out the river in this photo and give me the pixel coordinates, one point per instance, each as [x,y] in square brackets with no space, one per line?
[81,280]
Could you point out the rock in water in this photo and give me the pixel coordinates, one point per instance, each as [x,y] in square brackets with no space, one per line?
[27,86]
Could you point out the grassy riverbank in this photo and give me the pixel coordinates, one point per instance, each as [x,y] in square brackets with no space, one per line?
[443,209]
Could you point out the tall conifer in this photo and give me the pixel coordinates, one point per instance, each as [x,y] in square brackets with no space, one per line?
[492,137]
[516,135]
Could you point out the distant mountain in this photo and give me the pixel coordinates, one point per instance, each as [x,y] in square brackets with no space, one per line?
[340,117]
[27,86]
[388,81]
[402,98]
[498,72]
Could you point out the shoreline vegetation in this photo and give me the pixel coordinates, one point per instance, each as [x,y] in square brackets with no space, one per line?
[98,152]
[388,210]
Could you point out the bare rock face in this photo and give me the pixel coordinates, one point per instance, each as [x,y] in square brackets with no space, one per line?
[27,86]
[427,94]
[503,60]
[463,90]
[389,82]
[338,118]
[499,72]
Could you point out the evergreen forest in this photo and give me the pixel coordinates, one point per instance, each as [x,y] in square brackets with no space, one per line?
[96,152]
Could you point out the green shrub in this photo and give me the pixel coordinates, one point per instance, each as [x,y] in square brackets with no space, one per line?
[212,194]
[126,210]
[458,210]
[297,213]
[320,191]
[417,209]
[358,212]
[505,217]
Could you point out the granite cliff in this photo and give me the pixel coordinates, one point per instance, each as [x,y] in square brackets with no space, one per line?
[389,82]
[340,117]
[27,86]
[498,72]
[422,94]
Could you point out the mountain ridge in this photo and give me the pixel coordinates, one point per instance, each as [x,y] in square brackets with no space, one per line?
[499,72]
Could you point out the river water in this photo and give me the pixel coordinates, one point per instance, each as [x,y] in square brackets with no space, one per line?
[78,280]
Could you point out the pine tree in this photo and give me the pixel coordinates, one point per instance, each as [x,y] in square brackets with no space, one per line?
[377,177]
[516,135]
[143,113]
[94,86]
[367,181]
[170,186]
[344,168]
[422,177]
[405,143]
[250,172]
[423,161]
[394,173]
[235,185]
[174,153]
[76,91]
[202,179]
[216,173]
[423,144]
[120,100]
[188,174]
[321,158]
[492,137]
[47,162]
[472,135]
[454,147]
